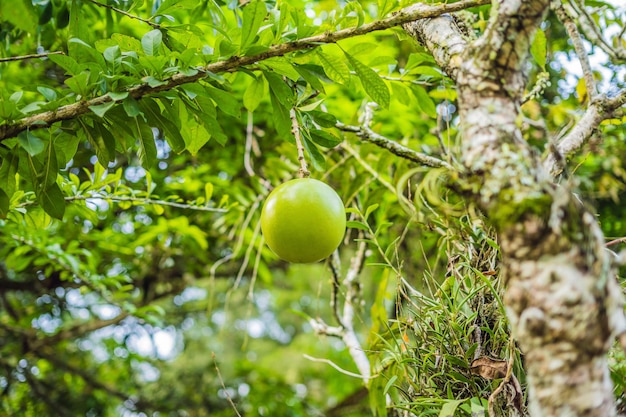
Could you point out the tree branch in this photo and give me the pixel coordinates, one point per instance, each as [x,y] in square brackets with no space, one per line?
[579,48]
[365,132]
[122,12]
[600,109]
[31,56]
[144,201]
[594,33]
[345,331]
[70,111]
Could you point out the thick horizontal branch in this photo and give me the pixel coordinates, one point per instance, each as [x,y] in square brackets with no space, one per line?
[418,11]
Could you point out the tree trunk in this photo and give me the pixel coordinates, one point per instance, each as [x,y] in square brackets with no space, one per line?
[563,302]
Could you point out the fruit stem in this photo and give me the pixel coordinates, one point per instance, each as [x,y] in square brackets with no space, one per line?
[303,172]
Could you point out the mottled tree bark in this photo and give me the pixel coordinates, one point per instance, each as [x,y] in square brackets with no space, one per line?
[562,299]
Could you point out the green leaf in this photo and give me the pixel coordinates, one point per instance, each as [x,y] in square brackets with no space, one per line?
[280,115]
[31,143]
[315,156]
[253,15]
[20,13]
[283,92]
[8,169]
[169,6]
[52,201]
[101,109]
[283,67]
[377,397]
[335,68]
[82,52]
[374,86]
[101,140]
[63,17]
[226,101]
[449,408]
[79,83]
[50,167]
[151,42]
[68,63]
[168,127]
[131,107]
[323,119]
[254,93]
[325,139]
[312,77]
[356,225]
[425,102]
[4,204]
[538,48]
[48,93]
[147,147]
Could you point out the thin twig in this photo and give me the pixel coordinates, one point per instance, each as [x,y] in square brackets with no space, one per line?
[122,12]
[579,48]
[31,56]
[226,394]
[395,148]
[144,201]
[594,33]
[303,172]
[616,242]
[71,111]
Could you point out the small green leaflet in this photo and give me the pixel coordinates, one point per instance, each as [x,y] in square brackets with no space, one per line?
[323,138]
[449,408]
[50,168]
[374,86]
[147,147]
[425,102]
[151,42]
[254,93]
[335,68]
[19,13]
[8,169]
[253,16]
[283,92]
[280,115]
[31,143]
[52,201]
[4,204]
[101,109]
[171,131]
[169,6]
[538,48]
[319,163]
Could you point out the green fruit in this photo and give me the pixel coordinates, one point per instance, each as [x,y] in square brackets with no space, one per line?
[303,220]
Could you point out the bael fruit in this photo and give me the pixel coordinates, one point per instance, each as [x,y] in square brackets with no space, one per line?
[303,220]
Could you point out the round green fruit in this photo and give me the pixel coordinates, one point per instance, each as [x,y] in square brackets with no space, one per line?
[303,220]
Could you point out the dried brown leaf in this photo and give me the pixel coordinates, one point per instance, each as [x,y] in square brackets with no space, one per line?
[489,368]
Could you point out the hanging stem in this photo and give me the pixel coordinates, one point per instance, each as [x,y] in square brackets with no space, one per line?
[303,172]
